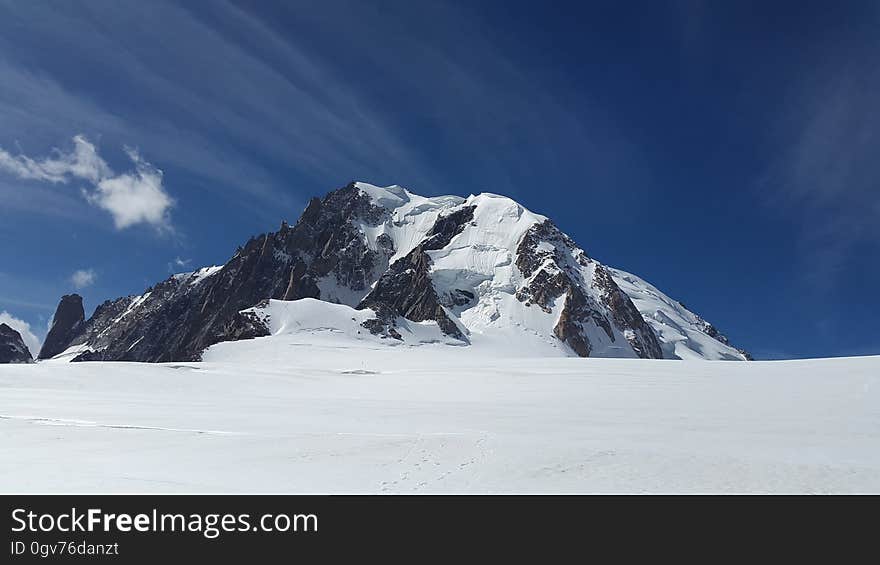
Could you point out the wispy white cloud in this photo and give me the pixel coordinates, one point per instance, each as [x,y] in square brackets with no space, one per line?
[83,278]
[131,198]
[177,264]
[40,110]
[285,100]
[828,176]
[83,162]
[293,112]
[52,170]
[30,340]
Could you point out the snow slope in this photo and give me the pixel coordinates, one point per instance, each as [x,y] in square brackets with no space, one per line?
[412,216]
[682,333]
[314,322]
[306,417]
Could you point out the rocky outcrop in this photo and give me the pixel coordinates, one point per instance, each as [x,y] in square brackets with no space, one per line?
[626,316]
[12,347]
[554,267]
[406,289]
[67,324]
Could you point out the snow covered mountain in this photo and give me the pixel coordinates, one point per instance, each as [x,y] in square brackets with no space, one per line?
[387,265]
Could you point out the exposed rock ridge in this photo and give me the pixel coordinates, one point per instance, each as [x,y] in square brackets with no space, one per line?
[406,288]
[553,267]
[181,316]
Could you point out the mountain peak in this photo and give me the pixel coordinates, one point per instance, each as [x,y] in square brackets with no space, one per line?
[482,271]
[389,197]
[12,346]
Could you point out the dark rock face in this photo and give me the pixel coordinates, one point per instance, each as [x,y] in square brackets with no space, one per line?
[66,325]
[406,289]
[12,347]
[180,317]
[642,339]
[569,328]
[245,325]
[544,257]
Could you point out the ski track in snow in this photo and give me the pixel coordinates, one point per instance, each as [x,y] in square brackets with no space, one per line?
[86,424]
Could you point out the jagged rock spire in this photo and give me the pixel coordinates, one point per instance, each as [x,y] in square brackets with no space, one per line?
[66,324]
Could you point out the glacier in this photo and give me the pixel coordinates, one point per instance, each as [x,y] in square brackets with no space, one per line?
[312,410]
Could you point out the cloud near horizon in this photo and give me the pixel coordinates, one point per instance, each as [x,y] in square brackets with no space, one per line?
[30,340]
[131,198]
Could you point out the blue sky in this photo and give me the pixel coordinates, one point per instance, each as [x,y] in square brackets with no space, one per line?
[725,151]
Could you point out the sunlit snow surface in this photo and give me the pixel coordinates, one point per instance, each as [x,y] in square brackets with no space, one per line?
[324,406]
[481,259]
[319,409]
